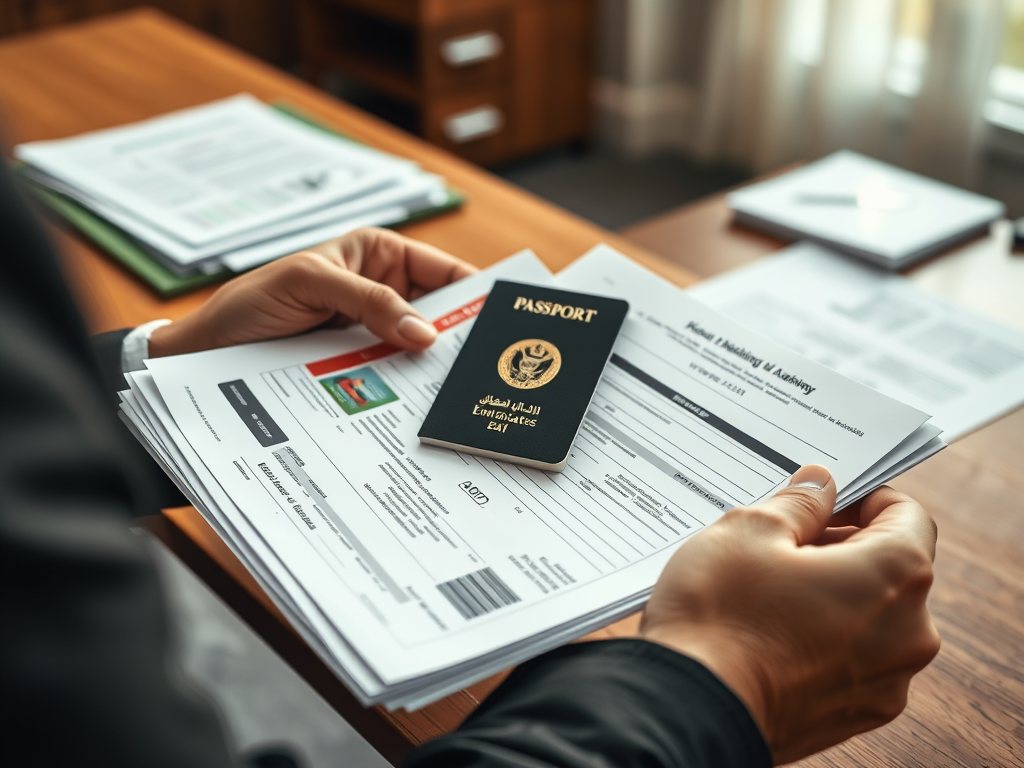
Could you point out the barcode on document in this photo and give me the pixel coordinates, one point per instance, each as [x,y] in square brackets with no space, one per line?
[478,593]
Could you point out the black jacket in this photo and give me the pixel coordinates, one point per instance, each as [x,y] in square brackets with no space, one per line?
[84,673]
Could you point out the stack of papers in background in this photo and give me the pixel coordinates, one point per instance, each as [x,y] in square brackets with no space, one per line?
[878,329]
[225,187]
[867,208]
[414,571]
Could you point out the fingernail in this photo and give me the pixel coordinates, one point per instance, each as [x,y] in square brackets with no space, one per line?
[416,329]
[810,476]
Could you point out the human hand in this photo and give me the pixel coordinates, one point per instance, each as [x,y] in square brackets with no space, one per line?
[816,622]
[366,276]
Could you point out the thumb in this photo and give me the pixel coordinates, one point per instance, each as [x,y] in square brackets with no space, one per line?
[806,503]
[379,307]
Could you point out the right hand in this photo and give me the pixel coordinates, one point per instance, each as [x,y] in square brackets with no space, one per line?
[816,622]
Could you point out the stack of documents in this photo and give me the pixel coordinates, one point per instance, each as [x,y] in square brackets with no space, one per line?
[229,185]
[867,208]
[415,571]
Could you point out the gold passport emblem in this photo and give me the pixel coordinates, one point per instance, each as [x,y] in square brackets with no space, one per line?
[529,363]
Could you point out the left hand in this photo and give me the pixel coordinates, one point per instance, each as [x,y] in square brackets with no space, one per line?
[367,276]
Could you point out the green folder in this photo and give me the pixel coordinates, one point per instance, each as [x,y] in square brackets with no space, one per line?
[126,250]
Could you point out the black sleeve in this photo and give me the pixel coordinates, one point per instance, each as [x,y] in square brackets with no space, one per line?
[85,673]
[610,703]
[107,349]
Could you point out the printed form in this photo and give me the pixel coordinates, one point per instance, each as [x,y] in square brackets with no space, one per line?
[424,559]
[878,329]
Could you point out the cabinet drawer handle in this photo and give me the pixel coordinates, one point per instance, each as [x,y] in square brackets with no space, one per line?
[471,49]
[473,124]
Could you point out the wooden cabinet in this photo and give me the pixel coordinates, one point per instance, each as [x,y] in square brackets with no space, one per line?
[266,28]
[491,80]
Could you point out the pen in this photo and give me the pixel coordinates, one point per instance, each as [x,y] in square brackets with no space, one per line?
[820,198]
[871,199]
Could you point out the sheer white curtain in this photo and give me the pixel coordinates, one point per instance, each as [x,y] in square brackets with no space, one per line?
[787,80]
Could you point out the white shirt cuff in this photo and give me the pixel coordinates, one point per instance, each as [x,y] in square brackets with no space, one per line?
[135,347]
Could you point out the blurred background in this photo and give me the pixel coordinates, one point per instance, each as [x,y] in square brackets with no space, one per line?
[621,109]
[618,110]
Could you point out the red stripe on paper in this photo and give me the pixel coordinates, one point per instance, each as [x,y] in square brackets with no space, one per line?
[460,315]
[377,351]
[351,359]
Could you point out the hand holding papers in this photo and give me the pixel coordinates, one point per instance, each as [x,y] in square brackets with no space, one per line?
[414,570]
[329,284]
[857,603]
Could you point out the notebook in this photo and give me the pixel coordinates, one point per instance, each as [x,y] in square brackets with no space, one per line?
[867,208]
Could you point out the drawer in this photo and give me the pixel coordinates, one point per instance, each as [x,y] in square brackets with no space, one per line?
[402,11]
[471,53]
[473,125]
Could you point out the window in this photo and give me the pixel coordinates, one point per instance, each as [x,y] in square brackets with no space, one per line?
[910,49]
[1006,107]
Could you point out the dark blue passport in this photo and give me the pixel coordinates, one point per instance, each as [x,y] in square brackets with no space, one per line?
[524,379]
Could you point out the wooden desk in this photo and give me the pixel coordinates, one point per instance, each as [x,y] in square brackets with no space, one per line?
[123,68]
[967,708]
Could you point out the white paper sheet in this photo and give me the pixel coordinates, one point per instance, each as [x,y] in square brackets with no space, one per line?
[878,329]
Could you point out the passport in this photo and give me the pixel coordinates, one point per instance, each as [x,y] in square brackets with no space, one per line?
[525,376]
